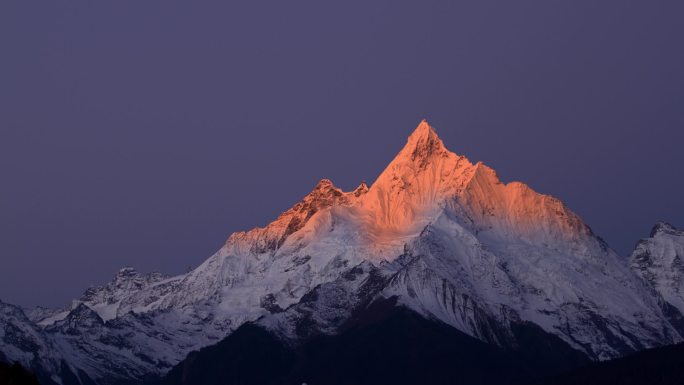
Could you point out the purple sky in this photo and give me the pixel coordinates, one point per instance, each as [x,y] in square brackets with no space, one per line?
[144,132]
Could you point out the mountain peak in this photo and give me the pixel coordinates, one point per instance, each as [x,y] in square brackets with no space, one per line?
[423,143]
[663,227]
[362,189]
[324,183]
[126,272]
[423,130]
[324,190]
[80,316]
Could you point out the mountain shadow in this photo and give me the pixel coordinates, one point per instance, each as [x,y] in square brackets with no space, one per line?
[391,345]
[658,366]
[15,374]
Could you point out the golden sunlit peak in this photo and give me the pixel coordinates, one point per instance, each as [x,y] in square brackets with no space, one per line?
[362,189]
[324,183]
[424,133]
[422,143]
[424,130]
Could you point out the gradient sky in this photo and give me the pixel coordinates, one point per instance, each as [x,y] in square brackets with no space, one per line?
[143,133]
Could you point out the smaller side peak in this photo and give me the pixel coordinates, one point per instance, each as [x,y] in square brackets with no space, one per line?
[324,184]
[362,189]
[483,169]
[324,187]
[83,315]
[324,190]
[482,174]
[126,272]
[664,228]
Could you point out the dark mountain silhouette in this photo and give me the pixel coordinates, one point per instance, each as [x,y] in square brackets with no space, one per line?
[658,366]
[389,345]
[15,374]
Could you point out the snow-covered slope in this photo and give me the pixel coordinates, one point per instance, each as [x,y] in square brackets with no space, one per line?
[658,261]
[24,342]
[456,244]
[435,232]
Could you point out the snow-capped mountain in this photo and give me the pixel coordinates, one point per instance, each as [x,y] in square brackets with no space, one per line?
[434,233]
[658,261]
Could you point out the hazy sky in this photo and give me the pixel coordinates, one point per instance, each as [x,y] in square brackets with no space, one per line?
[143,133]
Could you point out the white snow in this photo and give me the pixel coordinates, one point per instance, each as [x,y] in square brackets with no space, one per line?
[457,242]
[658,261]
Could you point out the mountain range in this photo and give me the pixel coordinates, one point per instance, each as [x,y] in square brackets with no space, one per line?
[438,272]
